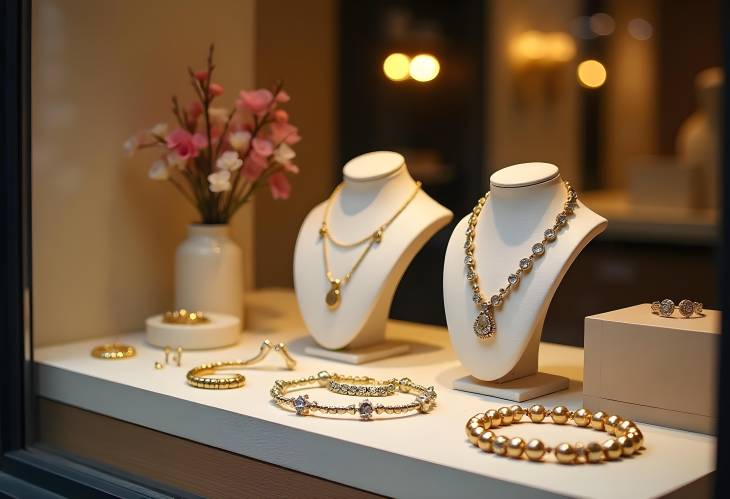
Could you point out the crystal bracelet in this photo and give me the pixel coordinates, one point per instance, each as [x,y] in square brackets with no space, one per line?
[361,386]
[425,397]
[628,438]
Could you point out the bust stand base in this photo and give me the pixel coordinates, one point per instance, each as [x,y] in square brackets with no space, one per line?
[517,390]
[359,355]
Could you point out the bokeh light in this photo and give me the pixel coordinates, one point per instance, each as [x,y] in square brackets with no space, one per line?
[396,66]
[602,24]
[424,67]
[559,47]
[591,73]
[641,29]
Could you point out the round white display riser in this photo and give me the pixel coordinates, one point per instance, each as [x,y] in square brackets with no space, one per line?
[222,330]
[375,186]
[523,202]
[209,271]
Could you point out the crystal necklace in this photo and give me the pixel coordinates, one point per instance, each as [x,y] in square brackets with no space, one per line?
[334,295]
[485,325]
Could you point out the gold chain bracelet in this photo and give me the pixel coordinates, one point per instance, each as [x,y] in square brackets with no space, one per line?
[361,386]
[628,438]
[206,376]
[425,397]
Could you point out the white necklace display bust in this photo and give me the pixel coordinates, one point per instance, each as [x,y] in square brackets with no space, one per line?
[524,200]
[375,186]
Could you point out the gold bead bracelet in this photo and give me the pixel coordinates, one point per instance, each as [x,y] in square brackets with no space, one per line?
[425,396]
[626,436]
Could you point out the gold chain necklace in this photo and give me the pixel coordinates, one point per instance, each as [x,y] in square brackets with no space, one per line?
[484,325]
[334,295]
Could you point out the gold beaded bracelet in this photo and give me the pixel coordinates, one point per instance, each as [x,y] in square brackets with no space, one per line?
[425,397]
[628,438]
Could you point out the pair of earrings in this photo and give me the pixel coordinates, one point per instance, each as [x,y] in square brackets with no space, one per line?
[176,357]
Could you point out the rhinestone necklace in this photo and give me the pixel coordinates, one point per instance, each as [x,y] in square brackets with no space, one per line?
[334,295]
[484,324]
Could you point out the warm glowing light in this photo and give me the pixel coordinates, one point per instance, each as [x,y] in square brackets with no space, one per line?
[559,47]
[591,73]
[396,66]
[641,29]
[528,46]
[602,24]
[424,67]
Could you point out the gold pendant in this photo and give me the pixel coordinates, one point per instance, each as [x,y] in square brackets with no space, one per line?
[334,295]
[485,325]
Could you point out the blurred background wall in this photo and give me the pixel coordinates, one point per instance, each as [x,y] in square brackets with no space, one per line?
[104,235]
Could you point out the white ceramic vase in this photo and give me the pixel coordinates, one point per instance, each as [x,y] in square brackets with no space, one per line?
[209,271]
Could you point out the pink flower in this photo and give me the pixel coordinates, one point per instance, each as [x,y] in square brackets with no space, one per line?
[290,167]
[256,101]
[193,111]
[184,144]
[262,147]
[199,141]
[253,166]
[282,97]
[201,76]
[215,89]
[280,186]
[281,116]
[284,132]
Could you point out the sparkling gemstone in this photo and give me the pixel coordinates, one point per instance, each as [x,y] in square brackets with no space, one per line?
[484,326]
[365,409]
[467,242]
[469,260]
[469,231]
[666,308]
[471,275]
[561,218]
[495,300]
[550,235]
[513,279]
[698,307]
[484,305]
[525,264]
[538,249]
[476,298]
[686,307]
[301,405]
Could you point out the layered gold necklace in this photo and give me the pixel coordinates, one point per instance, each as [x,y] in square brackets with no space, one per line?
[485,325]
[334,294]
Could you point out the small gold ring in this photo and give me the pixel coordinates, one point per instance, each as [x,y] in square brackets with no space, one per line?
[113,351]
[183,316]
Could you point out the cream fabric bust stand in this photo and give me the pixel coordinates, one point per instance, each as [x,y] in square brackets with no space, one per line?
[524,201]
[375,186]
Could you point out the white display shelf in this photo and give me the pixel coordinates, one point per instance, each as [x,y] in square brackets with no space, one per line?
[414,456]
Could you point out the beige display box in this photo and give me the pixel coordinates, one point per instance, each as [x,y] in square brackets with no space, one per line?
[653,369]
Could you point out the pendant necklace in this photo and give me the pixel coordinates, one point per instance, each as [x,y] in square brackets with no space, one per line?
[334,295]
[485,325]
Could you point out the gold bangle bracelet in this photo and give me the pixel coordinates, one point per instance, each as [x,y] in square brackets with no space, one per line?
[206,376]
[628,438]
[113,351]
[425,397]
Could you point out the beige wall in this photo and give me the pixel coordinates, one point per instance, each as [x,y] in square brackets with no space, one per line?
[103,234]
[546,130]
[297,43]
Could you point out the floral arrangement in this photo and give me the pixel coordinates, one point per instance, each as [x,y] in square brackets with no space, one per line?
[216,157]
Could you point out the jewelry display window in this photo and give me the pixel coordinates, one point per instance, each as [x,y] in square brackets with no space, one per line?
[254,249]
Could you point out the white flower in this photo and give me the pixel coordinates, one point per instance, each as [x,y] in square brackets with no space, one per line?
[284,153]
[229,160]
[239,140]
[159,130]
[220,181]
[159,171]
[131,145]
[218,114]
[174,159]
